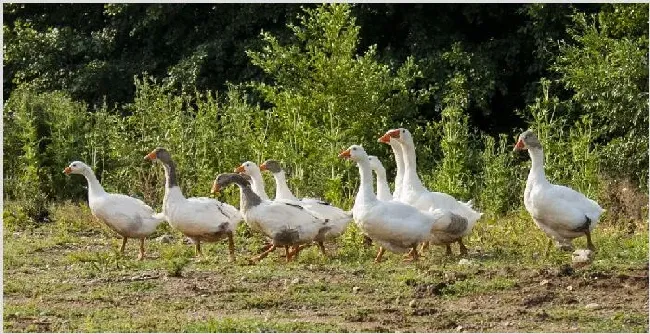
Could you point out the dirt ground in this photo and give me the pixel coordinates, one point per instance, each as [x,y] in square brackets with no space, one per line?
[71,279]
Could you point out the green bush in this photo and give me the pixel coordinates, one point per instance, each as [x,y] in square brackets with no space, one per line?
[454,174]
[605,68]
[45,134]
[322,94]
[325,97]
[501,189]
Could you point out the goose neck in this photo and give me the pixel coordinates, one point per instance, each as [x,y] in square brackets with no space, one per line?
[410,166]
[537,167]
[257,183]
[383,190]
[281,188]
[399,164]
[94,187]
[366,193]
[248,198]
[170,174]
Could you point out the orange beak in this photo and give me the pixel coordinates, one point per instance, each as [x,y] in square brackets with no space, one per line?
[240,169]
[215,188]
[519,146]
[151,156]
[345,154]
[386,137]
[67,170]
[263,167]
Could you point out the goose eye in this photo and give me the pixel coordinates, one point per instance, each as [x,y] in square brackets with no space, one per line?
[403,131]
[354,148]
[74,165]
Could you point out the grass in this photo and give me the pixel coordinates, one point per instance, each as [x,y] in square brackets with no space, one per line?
[67,276]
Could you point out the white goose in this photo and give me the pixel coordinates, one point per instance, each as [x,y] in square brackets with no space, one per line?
[199,218]
[252,171]
[257,181]
[394,225]
[286,224]
[399,163]
[414,193]
[383,189]
[561,212]
[337,218]
[128,216]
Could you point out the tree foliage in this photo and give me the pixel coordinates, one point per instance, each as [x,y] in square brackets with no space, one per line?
[215,91]
[606,71]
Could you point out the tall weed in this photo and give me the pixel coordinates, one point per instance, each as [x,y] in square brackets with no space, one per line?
[453,176]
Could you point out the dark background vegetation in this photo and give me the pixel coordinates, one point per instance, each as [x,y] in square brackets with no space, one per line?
[106,83]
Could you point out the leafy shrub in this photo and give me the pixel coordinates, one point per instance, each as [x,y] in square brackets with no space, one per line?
[500,189]
[175,260]
[606,71]
[15,218]
[74,218]
[322,95]
[454,174]
[45,129]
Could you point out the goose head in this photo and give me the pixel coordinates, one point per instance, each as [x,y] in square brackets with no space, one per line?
[226,179]
[76,167]
[400,134]
[247,168]
[159,153]
[355,153]
[375,164]
[527,140]
[272,166]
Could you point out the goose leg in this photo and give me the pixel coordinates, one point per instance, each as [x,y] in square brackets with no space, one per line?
[293,254]
[266,246]
[424,247]
[287,253]
[590,245]
[231,247]
[463,249]
[379,255]
[197,248]
[322,247]
[123,245]
[448,251]
[141,255]
[414,256]
[263,254]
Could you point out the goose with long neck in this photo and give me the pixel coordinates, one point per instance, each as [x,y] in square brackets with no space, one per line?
[128,216]
[282,190]
[202,219]
[399,164]
[561,212]
[286,224]
[257,181]
[338,218]
[414,193]
[393,225]
[383,190]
